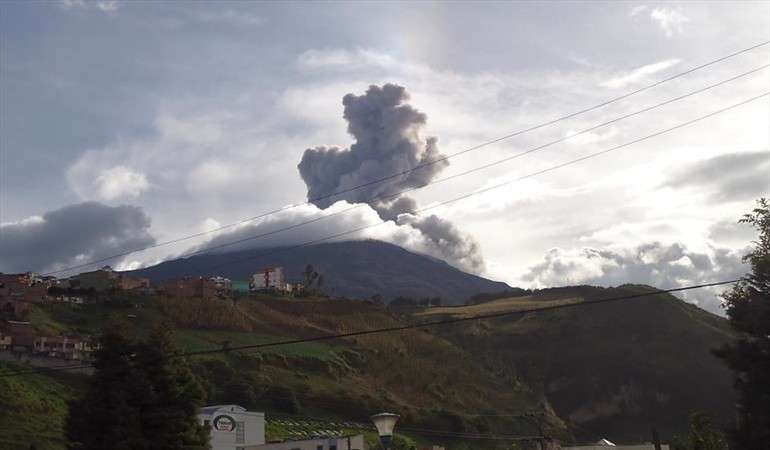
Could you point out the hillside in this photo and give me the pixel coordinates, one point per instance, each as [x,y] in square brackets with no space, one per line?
[613,369]
[610,370]
[352,269]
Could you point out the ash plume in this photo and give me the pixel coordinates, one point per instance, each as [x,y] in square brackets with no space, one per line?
[387,138]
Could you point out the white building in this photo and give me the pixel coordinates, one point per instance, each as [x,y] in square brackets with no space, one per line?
[232,427]
[604,444]
[269,278]
[333,443]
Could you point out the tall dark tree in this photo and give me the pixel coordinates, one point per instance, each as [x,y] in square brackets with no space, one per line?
[139,398]
[169,412]
[106,417]
[748,308]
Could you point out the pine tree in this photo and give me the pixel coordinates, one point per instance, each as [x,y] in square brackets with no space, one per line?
[748,309]
[140,397]
[168,414]
[106,417]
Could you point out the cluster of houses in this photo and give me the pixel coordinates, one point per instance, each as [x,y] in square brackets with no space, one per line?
[18,291]
[19,339]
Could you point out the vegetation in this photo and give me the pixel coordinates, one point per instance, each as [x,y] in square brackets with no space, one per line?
[139,398]
[32,411]
[748,309]
[702,435]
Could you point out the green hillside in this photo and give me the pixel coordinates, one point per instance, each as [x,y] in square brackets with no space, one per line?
[611,370]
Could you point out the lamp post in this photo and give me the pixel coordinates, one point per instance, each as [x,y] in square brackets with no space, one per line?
[385,422]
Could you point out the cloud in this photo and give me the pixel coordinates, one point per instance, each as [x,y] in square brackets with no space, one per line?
[120,181]
[105,6]
[660,265]
[728,177]
[670,20]
[387,141]
[72,235]
[343,217]
[639,74]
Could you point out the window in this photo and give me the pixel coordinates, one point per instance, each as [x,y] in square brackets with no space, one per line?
[319,447]
[333,447]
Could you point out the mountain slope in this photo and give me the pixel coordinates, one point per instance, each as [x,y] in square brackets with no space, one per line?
[354,269]
[615,369]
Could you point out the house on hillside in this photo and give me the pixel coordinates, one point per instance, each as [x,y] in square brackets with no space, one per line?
[198,287]
[100,280]
[269,279]
[19,291]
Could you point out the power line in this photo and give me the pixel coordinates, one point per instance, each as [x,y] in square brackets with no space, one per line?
[420,166]
[497,186]
[473,170]
[442,322]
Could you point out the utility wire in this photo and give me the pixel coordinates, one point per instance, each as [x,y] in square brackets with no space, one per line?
[496,186]
[355,230]
[420,166]
[441,322]
[364,202]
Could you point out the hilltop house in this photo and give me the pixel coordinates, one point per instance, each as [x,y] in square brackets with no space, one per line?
[271,279]
[198,287]
[20,290]
[106,279]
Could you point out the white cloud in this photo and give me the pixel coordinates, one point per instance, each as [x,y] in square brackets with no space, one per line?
[120,181]
[639,74]
[670,20]
[660,265]
[105,6]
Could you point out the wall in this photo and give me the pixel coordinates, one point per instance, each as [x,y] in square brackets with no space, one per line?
[356,443]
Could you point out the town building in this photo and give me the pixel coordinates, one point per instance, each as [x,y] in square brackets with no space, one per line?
[355,442]
[605,444]
[233,427]
[107,279]
[198,287]
[65,347]
[104,279]
[269,279]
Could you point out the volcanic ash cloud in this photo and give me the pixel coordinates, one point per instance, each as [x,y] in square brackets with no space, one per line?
[388,144]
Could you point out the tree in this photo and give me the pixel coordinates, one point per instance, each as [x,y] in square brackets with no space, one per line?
[748,309]
[106,417]
[702,435]
[140,398]
[169,412]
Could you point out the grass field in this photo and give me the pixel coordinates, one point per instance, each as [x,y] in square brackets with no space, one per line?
[497,306]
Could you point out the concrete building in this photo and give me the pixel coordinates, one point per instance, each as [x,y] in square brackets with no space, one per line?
[232,427]
[100,280]
[605,444]
[198,287]
[269,278]
[332,443]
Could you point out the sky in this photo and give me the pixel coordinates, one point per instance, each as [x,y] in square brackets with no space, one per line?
[127,124]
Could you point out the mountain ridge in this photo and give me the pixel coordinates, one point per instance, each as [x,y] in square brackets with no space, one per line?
[352,269]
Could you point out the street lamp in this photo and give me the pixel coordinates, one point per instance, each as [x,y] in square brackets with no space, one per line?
[385,422]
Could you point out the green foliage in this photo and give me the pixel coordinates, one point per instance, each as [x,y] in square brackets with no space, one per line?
[139,398]
[32,411]
[748,308]
[701,436]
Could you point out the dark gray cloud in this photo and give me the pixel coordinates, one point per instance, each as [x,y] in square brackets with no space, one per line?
[71,235]
[656,264]
[452,244]
[734,176]
[388,141]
